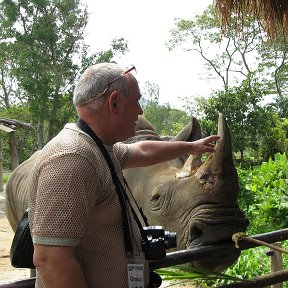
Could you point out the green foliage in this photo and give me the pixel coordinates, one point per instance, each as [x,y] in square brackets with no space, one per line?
[118,47]
[264,199]
[240,106]
[252,126]
[274,57]
[47,35]
[275,137]
[252,263]
[5,178]
[166,120]
[251,69]
[186,275]
[264,195]
[233,60]
[40,66]
[26,140]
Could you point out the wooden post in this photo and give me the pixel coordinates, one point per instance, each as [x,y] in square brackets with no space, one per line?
[276,263]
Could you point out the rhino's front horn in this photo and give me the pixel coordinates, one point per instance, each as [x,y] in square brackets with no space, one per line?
[217,162]
[224,146]
[219,167]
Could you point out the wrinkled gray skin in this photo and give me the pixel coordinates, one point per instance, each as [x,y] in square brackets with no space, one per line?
[198,203]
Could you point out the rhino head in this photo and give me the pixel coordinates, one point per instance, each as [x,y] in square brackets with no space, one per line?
[197,201]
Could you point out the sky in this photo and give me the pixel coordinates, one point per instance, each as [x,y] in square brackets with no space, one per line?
[146,25]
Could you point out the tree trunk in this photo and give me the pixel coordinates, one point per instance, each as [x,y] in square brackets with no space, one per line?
[14,160]
[1,164]
[40,134]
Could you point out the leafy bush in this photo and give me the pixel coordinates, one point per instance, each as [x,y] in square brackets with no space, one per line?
[5,178]
[264,195]
[264,198]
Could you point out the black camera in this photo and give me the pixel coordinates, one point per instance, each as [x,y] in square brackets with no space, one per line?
[156,241]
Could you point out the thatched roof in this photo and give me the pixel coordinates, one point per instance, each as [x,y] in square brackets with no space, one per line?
[271,14]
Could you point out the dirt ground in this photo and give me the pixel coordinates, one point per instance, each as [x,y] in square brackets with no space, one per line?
[7,272]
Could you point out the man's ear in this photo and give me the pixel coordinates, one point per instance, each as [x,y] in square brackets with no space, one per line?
[113,102]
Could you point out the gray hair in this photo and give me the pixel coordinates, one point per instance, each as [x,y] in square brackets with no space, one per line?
[89,88]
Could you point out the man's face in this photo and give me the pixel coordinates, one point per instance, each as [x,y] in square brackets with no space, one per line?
[130,109]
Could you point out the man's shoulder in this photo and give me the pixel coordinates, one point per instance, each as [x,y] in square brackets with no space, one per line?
[69,141]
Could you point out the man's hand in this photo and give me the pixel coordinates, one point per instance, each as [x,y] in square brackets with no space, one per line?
[204,145]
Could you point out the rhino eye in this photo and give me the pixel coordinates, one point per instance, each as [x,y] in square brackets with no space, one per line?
[156,197]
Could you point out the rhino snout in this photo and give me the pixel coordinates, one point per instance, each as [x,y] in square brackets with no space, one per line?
[214,225]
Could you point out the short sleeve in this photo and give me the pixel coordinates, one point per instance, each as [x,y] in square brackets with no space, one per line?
[61,211]
[123,153]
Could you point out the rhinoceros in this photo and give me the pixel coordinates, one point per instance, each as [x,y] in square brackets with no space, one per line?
[197,201]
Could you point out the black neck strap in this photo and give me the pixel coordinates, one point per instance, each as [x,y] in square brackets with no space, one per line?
[121,192]
[119,188]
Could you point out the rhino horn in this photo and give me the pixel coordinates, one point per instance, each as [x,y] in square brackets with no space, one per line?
[223,147]
[223,151]
[220,164]
[190,167]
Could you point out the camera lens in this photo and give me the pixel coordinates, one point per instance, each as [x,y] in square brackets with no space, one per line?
[156,240]
[170,240]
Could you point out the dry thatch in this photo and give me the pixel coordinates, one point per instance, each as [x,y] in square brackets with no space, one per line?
[271,14]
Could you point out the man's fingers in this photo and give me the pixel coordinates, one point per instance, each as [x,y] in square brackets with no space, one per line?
[212,138]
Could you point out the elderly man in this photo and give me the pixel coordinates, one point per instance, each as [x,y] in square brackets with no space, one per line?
[84,232]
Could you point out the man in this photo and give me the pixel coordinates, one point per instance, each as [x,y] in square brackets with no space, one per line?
[75,213]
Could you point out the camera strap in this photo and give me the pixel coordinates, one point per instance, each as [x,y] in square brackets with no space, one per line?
[144,236]
[118,186]
[122,195]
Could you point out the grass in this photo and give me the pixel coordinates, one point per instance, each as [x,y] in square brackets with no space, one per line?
[187,275]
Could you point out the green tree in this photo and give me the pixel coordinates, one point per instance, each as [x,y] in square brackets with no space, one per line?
[233,57]
[227,56]
[47,35]
[250,68]
[26,138]
[274,56]
[9,92]
[46,54]
[264,194]
[245,117]
[275,138]
[166,120]
[117,48]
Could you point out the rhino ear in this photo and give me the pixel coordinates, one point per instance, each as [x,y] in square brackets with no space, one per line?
[191,132]
[144,130]
[143,124]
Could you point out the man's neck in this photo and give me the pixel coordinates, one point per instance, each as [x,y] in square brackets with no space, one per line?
[100,128]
